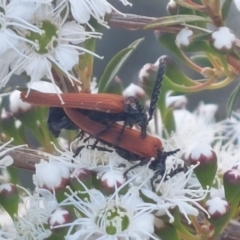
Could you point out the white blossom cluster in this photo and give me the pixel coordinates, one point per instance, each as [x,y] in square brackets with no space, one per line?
[37,35]
[88,195]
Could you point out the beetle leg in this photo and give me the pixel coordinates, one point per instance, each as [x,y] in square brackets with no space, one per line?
[97,135]
[174,172]
[118,139]
[141,163]
[78,150]
[100,148]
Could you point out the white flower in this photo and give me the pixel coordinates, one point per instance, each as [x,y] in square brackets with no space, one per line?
[237,3]
[177,192]
[57,175]
[14,17]
[227,155]
[54,45]
[183,37]
[14,14]
[217,207]
[83,10]
[230,128]
[45,87]
[114,217]
[32,223]
[223,38]
[31,219]
[192,129]
[16,105]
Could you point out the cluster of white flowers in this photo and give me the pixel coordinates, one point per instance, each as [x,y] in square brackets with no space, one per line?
[37,35]
[109,206]
[89,195]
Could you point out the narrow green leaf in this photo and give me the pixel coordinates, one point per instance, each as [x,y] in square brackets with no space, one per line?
[176,74]
[232,100]
[225,9]
[176,19]
[168,41]
[115,65]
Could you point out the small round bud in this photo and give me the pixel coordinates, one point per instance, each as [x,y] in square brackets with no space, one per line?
[217,207]
[223,40]
[183,38]
[146,71]
[205,156]
[231,181]
[60,217]
[112,179]
[208,72]
[84,175]
[219,211]
[172,7]
[52,175]
[9,198]
[16,105]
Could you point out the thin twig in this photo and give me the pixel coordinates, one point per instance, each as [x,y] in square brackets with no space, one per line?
[25,158]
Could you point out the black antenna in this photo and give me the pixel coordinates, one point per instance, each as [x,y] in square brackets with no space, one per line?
[157,87]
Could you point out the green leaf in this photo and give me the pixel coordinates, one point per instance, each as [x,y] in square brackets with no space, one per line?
[115,65]
[173,20]
[167,232]
[232,100]
[115,86]
[168,41]
[176,75]
[202,60]
[225,9]
[197,46]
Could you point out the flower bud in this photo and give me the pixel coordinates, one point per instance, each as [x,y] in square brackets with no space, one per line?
[60,217]
[231,181]
[183,38]
[147,75]
[52,176]
[83,175]
[16,105]
[219,210]
[9,198]
[135,91]
[208,72]
[172,7]
[223,40]
[111,180]
[207,168]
